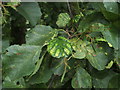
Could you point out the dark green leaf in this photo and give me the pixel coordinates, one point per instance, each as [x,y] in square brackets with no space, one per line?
[97,59]
[105,8]
[111,36]
[43,74]
[20,61]
[101,78]
[82,79]
[58,66]
[114,82]
[89,20]
[11,84]
[31,11]
[40,35]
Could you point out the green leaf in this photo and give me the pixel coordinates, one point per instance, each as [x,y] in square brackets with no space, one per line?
[79,54]
[41,77]
[109,65]
[88,20]
[114,82]
[116,24]
[82,79]
[79,48]
[105,8]
[7,83]
[111,6]
[13,4]
[76,18]
[59,47]
[36,86]
[40,35]
[31,11]
[101,78]
[5,44]
[39,62]
[98,59]
[43,74]
[58,66]
[97,27]
[112,37]
[20,61]
[63,19]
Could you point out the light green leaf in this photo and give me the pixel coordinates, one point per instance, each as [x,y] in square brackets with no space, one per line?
[20,61]
[79,48]
[40,35]
[31,11]
[63,19]
[77,18]
[79,54]
[59,47]
[109,65]
[13,4]
[82,79]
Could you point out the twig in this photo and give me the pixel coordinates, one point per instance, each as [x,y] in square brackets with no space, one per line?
[69,8]
[63,74]
[50,84]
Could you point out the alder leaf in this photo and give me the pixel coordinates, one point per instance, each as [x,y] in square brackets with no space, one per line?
[59,47]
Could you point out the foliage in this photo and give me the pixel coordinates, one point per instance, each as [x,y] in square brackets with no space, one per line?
[67,45]
[59,47]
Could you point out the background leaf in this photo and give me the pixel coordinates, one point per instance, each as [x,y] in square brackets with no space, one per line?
[33,15]
[89,20]
[114,82]
[63,19]
[101,78]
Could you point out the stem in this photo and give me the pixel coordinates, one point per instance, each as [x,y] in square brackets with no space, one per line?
[63,74]
[65,62]
[3,8]
[66,65]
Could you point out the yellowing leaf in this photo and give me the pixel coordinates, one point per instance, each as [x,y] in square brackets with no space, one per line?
[59,47]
